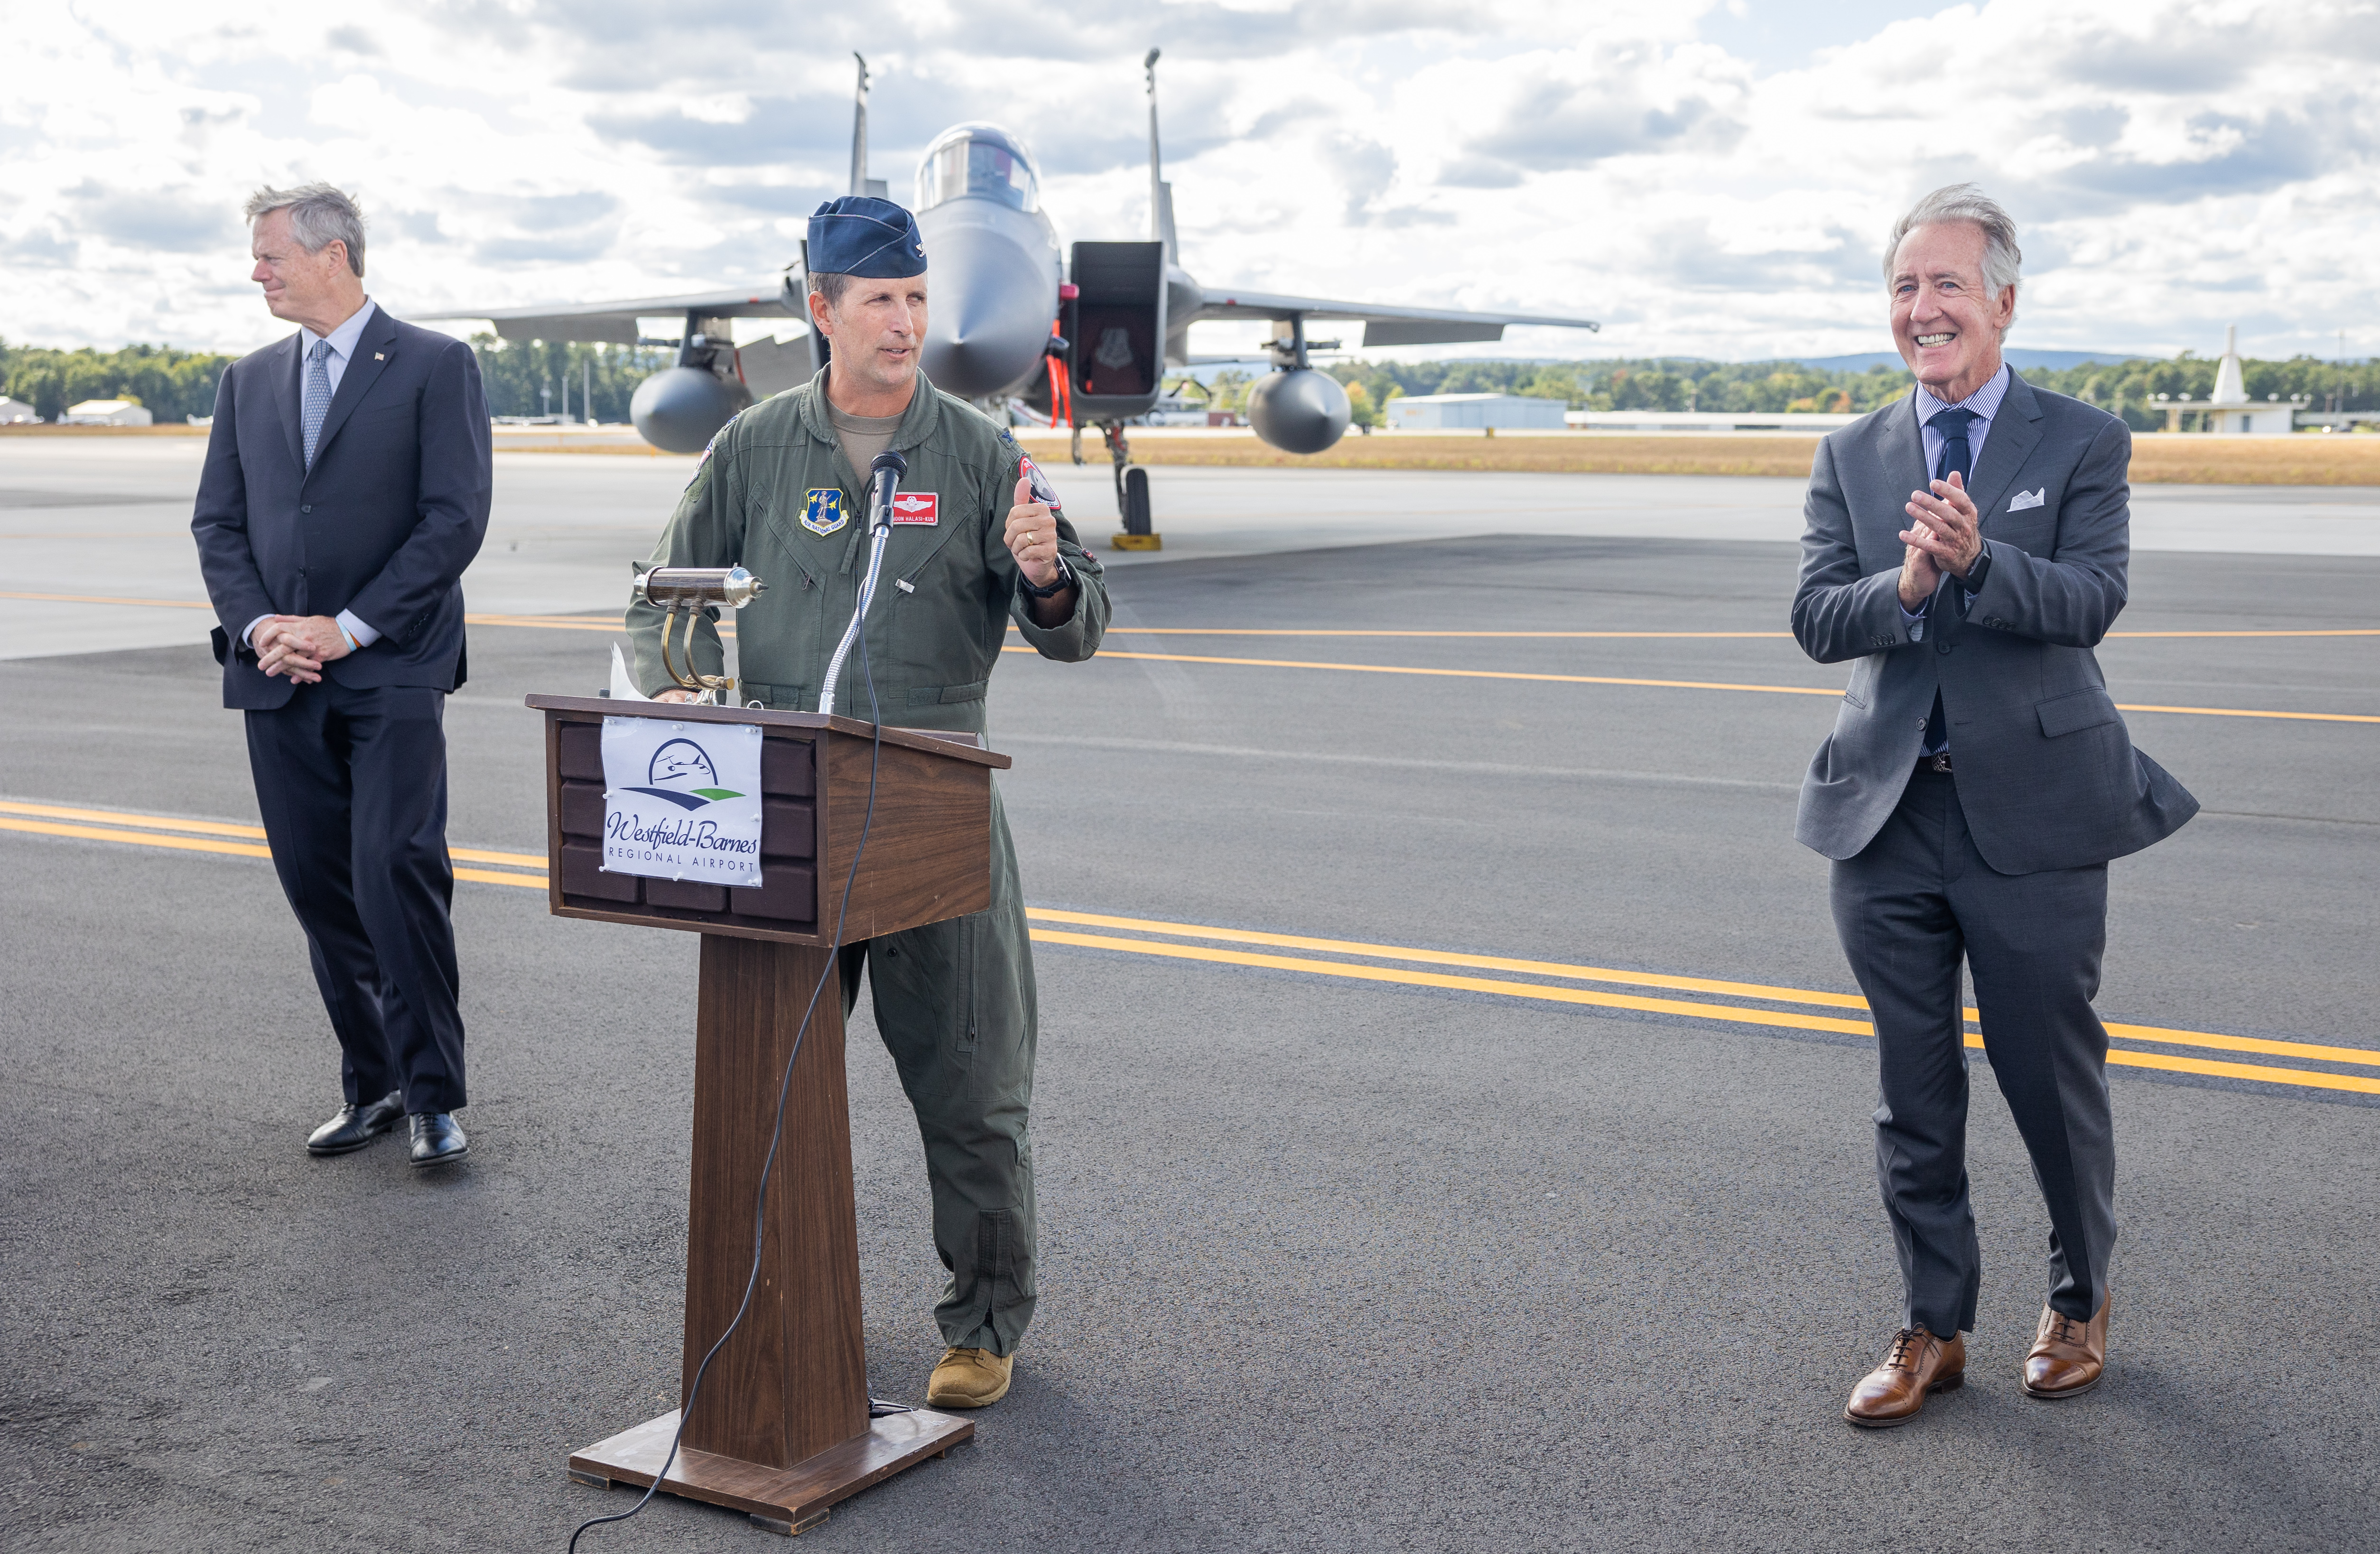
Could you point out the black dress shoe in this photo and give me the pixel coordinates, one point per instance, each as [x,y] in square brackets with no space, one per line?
[355,1126]
[438,1138]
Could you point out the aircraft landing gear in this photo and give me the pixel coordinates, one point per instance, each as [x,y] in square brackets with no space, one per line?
[1132,495]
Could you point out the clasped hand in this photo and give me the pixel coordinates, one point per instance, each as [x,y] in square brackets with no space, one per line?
[1945,537]
[299,646]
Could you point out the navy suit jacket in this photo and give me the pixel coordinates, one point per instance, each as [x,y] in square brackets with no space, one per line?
[2046,769]
[383,523]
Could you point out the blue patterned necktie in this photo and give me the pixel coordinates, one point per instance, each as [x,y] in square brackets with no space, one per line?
[1956,454]
[1959,455]
[317,396]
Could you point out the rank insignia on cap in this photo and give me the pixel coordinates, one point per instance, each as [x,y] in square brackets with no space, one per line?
[822,512]
[916,507]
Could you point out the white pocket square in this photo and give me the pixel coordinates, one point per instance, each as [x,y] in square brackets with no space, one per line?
[2025,499]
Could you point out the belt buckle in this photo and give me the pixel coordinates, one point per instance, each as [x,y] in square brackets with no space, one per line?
[1939,761]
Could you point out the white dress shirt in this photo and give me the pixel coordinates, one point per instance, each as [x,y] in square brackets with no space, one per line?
[343,346]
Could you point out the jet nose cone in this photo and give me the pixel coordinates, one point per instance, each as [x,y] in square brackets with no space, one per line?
[991,312]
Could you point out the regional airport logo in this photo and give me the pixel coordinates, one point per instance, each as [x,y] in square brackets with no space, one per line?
[681,773]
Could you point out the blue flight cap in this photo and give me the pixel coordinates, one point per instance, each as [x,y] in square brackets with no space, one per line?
[861,235]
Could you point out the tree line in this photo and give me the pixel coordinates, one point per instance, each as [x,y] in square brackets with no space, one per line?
[527,379]
[521,379]
[171,383]
[2126,388]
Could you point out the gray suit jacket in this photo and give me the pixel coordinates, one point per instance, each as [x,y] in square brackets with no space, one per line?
[2045,767]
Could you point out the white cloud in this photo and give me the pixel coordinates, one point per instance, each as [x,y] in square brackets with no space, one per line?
[1710,180]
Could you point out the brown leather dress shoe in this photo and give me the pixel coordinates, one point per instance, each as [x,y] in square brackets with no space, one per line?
[1917,1364]
[2069,1357]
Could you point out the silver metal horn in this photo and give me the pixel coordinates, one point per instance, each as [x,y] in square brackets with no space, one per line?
[684,587]
[689,588]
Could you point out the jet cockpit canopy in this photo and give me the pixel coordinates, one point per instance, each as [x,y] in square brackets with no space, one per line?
[981,159]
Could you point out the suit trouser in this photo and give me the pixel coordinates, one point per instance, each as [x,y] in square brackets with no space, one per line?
[955,1005]
[1907,907]
[352,785]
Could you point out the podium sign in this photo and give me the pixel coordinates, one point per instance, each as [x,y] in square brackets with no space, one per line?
[669,809]
[782,1429]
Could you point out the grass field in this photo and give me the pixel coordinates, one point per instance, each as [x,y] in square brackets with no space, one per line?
[2303,460]
[2157,460]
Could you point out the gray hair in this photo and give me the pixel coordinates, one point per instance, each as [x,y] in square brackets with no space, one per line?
[318,213]
[1964,202]
[830,285]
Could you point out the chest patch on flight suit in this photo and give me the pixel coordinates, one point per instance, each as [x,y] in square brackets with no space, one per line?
[822,512]
[917,507]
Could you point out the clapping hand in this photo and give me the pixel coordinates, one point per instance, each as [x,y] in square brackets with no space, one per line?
[1946,536]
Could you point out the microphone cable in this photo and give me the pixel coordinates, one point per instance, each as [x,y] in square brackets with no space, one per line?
[785,1086]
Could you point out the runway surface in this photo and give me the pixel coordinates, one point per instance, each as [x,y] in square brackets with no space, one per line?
[1452,1127]
[86,520]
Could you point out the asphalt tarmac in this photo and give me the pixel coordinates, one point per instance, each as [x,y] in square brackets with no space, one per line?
[1331,1259]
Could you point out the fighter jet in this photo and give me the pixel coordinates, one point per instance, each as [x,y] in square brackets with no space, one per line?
[1083,337]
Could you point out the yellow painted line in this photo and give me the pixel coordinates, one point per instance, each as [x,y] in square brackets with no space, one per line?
[2315,1050]
[583,623]
[211,829]
[1467,984]
[534,881]
[2310,1078]
[213,837]
[102,599]
[1619,636]
[1668,684]
[512,860]
[146,839]
[2247,712]
[547,622]
[2320,1053]
[117,817]
[1548,636]
[1474,673]
[1448,958]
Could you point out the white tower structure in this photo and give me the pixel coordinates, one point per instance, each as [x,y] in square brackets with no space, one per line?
[2230,387]
[2228,412]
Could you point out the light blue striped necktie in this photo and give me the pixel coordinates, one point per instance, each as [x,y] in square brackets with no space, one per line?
[317,396]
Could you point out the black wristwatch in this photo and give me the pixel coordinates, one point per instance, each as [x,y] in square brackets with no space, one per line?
[1065,581]
[1973,581]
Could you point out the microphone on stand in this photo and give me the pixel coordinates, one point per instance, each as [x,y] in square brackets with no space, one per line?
[884,472]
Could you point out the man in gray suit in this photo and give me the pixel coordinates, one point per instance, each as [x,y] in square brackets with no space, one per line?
[1966,548]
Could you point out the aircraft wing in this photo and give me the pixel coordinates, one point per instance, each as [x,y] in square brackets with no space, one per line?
[615,323]
[1383,324]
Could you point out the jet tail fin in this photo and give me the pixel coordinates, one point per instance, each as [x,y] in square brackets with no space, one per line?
[1160,193]
[860,182]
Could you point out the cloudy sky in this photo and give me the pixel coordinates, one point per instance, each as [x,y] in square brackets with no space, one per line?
[1711,178]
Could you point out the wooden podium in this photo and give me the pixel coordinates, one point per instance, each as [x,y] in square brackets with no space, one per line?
[782,1429]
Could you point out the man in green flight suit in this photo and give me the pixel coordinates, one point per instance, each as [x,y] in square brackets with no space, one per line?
[780,491]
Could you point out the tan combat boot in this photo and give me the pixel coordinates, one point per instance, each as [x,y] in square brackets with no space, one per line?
[969,1379]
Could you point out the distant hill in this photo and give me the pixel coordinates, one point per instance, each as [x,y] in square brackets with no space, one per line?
[2054,361]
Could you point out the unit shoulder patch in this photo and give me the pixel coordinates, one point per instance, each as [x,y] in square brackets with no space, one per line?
[822,511]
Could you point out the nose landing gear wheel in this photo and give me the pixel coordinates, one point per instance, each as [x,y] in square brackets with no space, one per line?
[1132,500]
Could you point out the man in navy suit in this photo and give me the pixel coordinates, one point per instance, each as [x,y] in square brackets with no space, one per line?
[346,489]
[1967,547]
